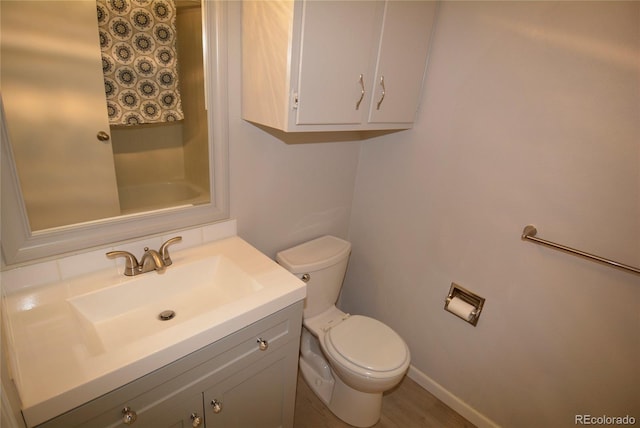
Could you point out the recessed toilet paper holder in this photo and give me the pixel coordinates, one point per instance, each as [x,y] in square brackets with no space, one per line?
[464,298]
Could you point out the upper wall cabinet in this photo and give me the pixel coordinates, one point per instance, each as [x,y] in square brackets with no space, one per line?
[315,65]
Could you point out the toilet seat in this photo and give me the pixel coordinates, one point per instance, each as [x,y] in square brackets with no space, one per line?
[366,345]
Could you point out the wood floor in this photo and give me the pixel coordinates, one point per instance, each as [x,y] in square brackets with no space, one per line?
[406,406]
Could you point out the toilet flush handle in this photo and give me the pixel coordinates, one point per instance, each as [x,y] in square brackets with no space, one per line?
[306,277]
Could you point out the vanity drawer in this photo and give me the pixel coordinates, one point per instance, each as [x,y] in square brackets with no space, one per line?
[177,388]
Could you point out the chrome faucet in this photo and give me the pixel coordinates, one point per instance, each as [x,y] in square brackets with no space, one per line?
[151,259]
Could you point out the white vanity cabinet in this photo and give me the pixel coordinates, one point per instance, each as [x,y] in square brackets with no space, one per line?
[249,375]
[311,65]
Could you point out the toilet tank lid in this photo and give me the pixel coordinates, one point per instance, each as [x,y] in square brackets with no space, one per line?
[314,255]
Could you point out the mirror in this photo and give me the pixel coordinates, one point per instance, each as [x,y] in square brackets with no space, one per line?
[71,179]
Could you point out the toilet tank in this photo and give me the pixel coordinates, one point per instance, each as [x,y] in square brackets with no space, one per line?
[325,261]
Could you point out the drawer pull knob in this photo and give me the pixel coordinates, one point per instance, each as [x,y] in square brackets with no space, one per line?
[197,420]
[263,344]
[128,416]
[216,406]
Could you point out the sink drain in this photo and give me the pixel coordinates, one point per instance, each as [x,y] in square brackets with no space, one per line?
[167,315]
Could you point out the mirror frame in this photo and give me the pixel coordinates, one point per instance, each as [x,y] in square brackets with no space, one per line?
[21,244]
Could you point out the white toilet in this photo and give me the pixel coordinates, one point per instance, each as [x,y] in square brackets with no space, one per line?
[347,360]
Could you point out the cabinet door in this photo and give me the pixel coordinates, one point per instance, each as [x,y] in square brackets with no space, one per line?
[54,100]
[401,62]
[335,50]
[182,411]
[262,395]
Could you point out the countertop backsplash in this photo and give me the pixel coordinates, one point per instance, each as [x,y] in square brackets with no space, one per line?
[19,278]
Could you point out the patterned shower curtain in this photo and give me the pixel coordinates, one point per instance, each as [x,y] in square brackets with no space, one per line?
[138,44]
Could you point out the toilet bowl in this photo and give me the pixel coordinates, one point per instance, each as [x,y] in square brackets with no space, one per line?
[347,360]
[366,354]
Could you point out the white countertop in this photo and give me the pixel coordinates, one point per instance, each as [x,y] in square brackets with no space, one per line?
[58,366]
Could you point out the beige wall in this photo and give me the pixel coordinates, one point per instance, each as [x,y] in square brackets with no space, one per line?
[530,115]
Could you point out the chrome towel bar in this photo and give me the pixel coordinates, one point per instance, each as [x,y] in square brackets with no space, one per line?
[529,234]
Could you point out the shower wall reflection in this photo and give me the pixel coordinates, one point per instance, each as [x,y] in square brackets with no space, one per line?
[163,165]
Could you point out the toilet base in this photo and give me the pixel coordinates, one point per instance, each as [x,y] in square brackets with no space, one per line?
[355,407]
[360,409]
[320,385]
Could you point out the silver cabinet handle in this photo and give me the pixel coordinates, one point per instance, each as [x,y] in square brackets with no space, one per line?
[263,344]
[103,136]
[216,406]
[128,416]
[196,420]
[383,92]
[361,80]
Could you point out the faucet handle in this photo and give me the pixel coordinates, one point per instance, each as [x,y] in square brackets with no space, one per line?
[131,267]
[164,250]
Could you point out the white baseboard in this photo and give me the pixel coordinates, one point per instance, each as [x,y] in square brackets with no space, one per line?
[466,411]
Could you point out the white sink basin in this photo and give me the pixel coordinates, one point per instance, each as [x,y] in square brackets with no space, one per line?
[76,339]
[128,311]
